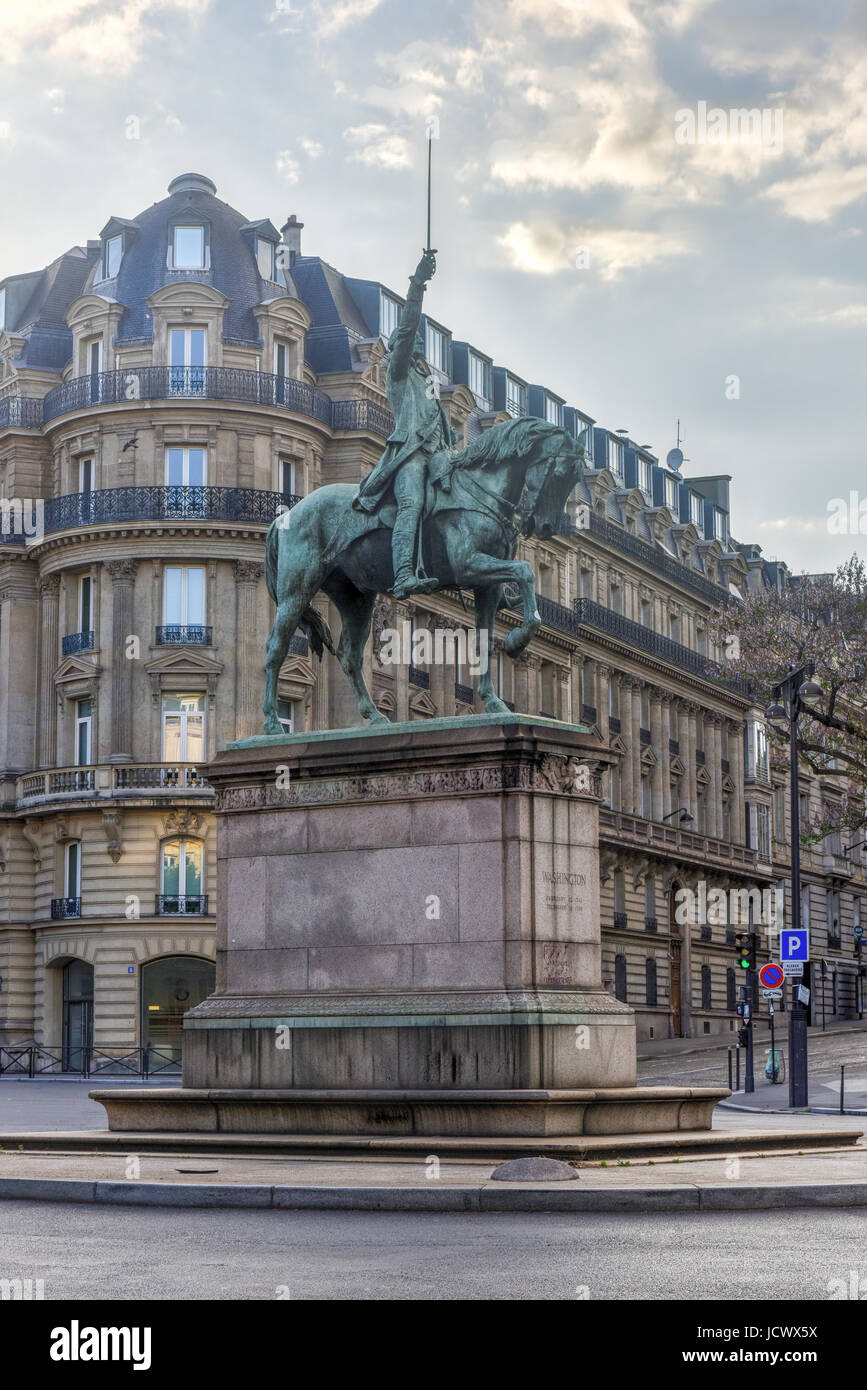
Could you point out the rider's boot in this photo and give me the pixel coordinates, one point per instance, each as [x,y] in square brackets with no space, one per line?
[406,579]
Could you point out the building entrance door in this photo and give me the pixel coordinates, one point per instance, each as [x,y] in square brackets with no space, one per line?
[77,1015]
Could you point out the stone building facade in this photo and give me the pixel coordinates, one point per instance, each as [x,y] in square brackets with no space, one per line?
[165,390]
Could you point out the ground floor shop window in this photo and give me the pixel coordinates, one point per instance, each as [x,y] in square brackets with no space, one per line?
[169,987]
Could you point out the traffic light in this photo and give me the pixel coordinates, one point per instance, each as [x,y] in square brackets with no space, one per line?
[743,1036]
[746,944]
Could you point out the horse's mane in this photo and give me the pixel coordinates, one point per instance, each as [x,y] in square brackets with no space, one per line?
[513,439]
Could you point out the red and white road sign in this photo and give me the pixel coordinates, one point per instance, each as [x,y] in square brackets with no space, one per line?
[771,975]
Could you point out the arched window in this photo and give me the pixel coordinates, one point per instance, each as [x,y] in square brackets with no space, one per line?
[706,995]
[169,987]
[620,978]
[181,878]
[650,980]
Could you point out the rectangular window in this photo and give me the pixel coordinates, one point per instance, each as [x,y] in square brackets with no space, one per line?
[83,729]
[183,728]
[553,411]
[183,596]
[2,308]
[265,257]
[645,481]
[763,832]
[516,397]
[113,254]
[480,380]
[85,475]
[615,456]
[286,715]
[780,813]
[720,526]
[438,344]
[805,907]
[85,603]
[389,314]
[72,870]
[761,752]
[671,488]
[186,467]
[290,477]
[187,361]
[696,511]
[188,248]
[832,913]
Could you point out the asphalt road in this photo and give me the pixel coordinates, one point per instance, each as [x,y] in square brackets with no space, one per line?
[80,1252]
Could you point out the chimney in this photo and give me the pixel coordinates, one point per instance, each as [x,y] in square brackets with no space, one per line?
[291,234]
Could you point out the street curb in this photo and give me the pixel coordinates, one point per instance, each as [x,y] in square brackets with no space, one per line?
[810,1110]
[499,1198]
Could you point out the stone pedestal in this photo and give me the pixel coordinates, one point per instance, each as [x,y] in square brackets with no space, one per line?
[409,943]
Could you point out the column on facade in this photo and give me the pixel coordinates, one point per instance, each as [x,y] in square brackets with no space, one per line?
[576,665]
[717,774]
[49,601]
[603,676]
[666,755]
[692,712]
[626,773]
[635,727]
[122,574]
[736,772]
[688,767]
[248,658]
[659,743]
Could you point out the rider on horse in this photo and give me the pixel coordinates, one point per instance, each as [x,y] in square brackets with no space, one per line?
[419,447]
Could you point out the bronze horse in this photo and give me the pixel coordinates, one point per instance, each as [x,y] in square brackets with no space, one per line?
[512,479]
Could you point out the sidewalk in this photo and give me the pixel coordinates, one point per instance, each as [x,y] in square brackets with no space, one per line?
[674,1047]
[836,1177]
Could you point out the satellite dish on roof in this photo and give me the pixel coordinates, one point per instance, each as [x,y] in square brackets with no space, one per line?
[674,459]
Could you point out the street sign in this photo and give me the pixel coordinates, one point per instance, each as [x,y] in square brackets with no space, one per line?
[794,968]
[771,975]
[803,994]
[772,994]
[859,932]
[795,944]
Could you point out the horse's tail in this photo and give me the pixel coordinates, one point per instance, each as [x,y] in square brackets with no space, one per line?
[271,548]
[318,631]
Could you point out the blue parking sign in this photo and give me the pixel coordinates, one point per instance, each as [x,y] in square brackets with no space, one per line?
[795,944]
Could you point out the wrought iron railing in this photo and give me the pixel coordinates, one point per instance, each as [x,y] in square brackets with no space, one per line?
[61,908]
[588,714]
[592,614]
[20,412]
[638,549]
[556,615]
[362,415]
[111,1059]
[181,904]
[419,678]
[171,502]
[620,919]
[464,693]
[299,645]
[187,383]
[184,634]
[77,642]
[651,924]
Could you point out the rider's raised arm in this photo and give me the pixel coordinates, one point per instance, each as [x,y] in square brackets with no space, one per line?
[403,340]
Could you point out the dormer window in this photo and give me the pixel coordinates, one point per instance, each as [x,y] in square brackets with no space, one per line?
[644,476]
[696,512]
[188,248]
[516,397]
[112,255]
[615,456]
[2,309]
[480,380]
[438,348]
[671,494]
[720,529]
[553,410]
[265,257]
[389,314]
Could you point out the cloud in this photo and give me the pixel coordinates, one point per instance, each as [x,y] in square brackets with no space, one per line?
[311,148]
[378,146]
[607,251]
[287,165]
[85,34]
[332,18]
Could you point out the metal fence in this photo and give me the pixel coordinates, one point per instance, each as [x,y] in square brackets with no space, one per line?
[32,1060]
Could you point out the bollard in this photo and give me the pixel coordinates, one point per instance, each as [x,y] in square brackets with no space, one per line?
[730,1067]
[842,1088]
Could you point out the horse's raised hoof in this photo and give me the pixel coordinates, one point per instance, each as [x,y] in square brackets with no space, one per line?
[517,640]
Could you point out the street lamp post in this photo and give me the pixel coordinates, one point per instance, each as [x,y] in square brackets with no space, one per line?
[791,697]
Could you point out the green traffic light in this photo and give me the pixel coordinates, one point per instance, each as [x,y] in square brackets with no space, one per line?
[745,963]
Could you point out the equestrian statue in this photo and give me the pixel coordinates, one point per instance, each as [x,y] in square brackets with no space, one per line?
[430,515]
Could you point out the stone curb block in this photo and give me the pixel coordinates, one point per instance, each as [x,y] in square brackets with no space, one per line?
[688,1198]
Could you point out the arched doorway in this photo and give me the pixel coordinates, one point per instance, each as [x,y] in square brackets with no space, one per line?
[77,1015]
[169,987]
[674,949]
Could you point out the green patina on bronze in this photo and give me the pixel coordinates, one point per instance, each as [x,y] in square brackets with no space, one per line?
[429,516]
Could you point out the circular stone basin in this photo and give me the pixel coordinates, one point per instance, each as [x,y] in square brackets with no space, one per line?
[534,1170]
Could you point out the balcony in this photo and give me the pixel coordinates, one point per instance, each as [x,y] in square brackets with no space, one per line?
[181,905]
[465,693]
[838,865]
[62,908]
[77,642]
[621,919]
[419,678]
[671,841]
[135,384]
[594,615]
[108,783]
[651,924]
[184,635]
[675,570]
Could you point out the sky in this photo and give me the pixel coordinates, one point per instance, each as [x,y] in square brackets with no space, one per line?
[605,224]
